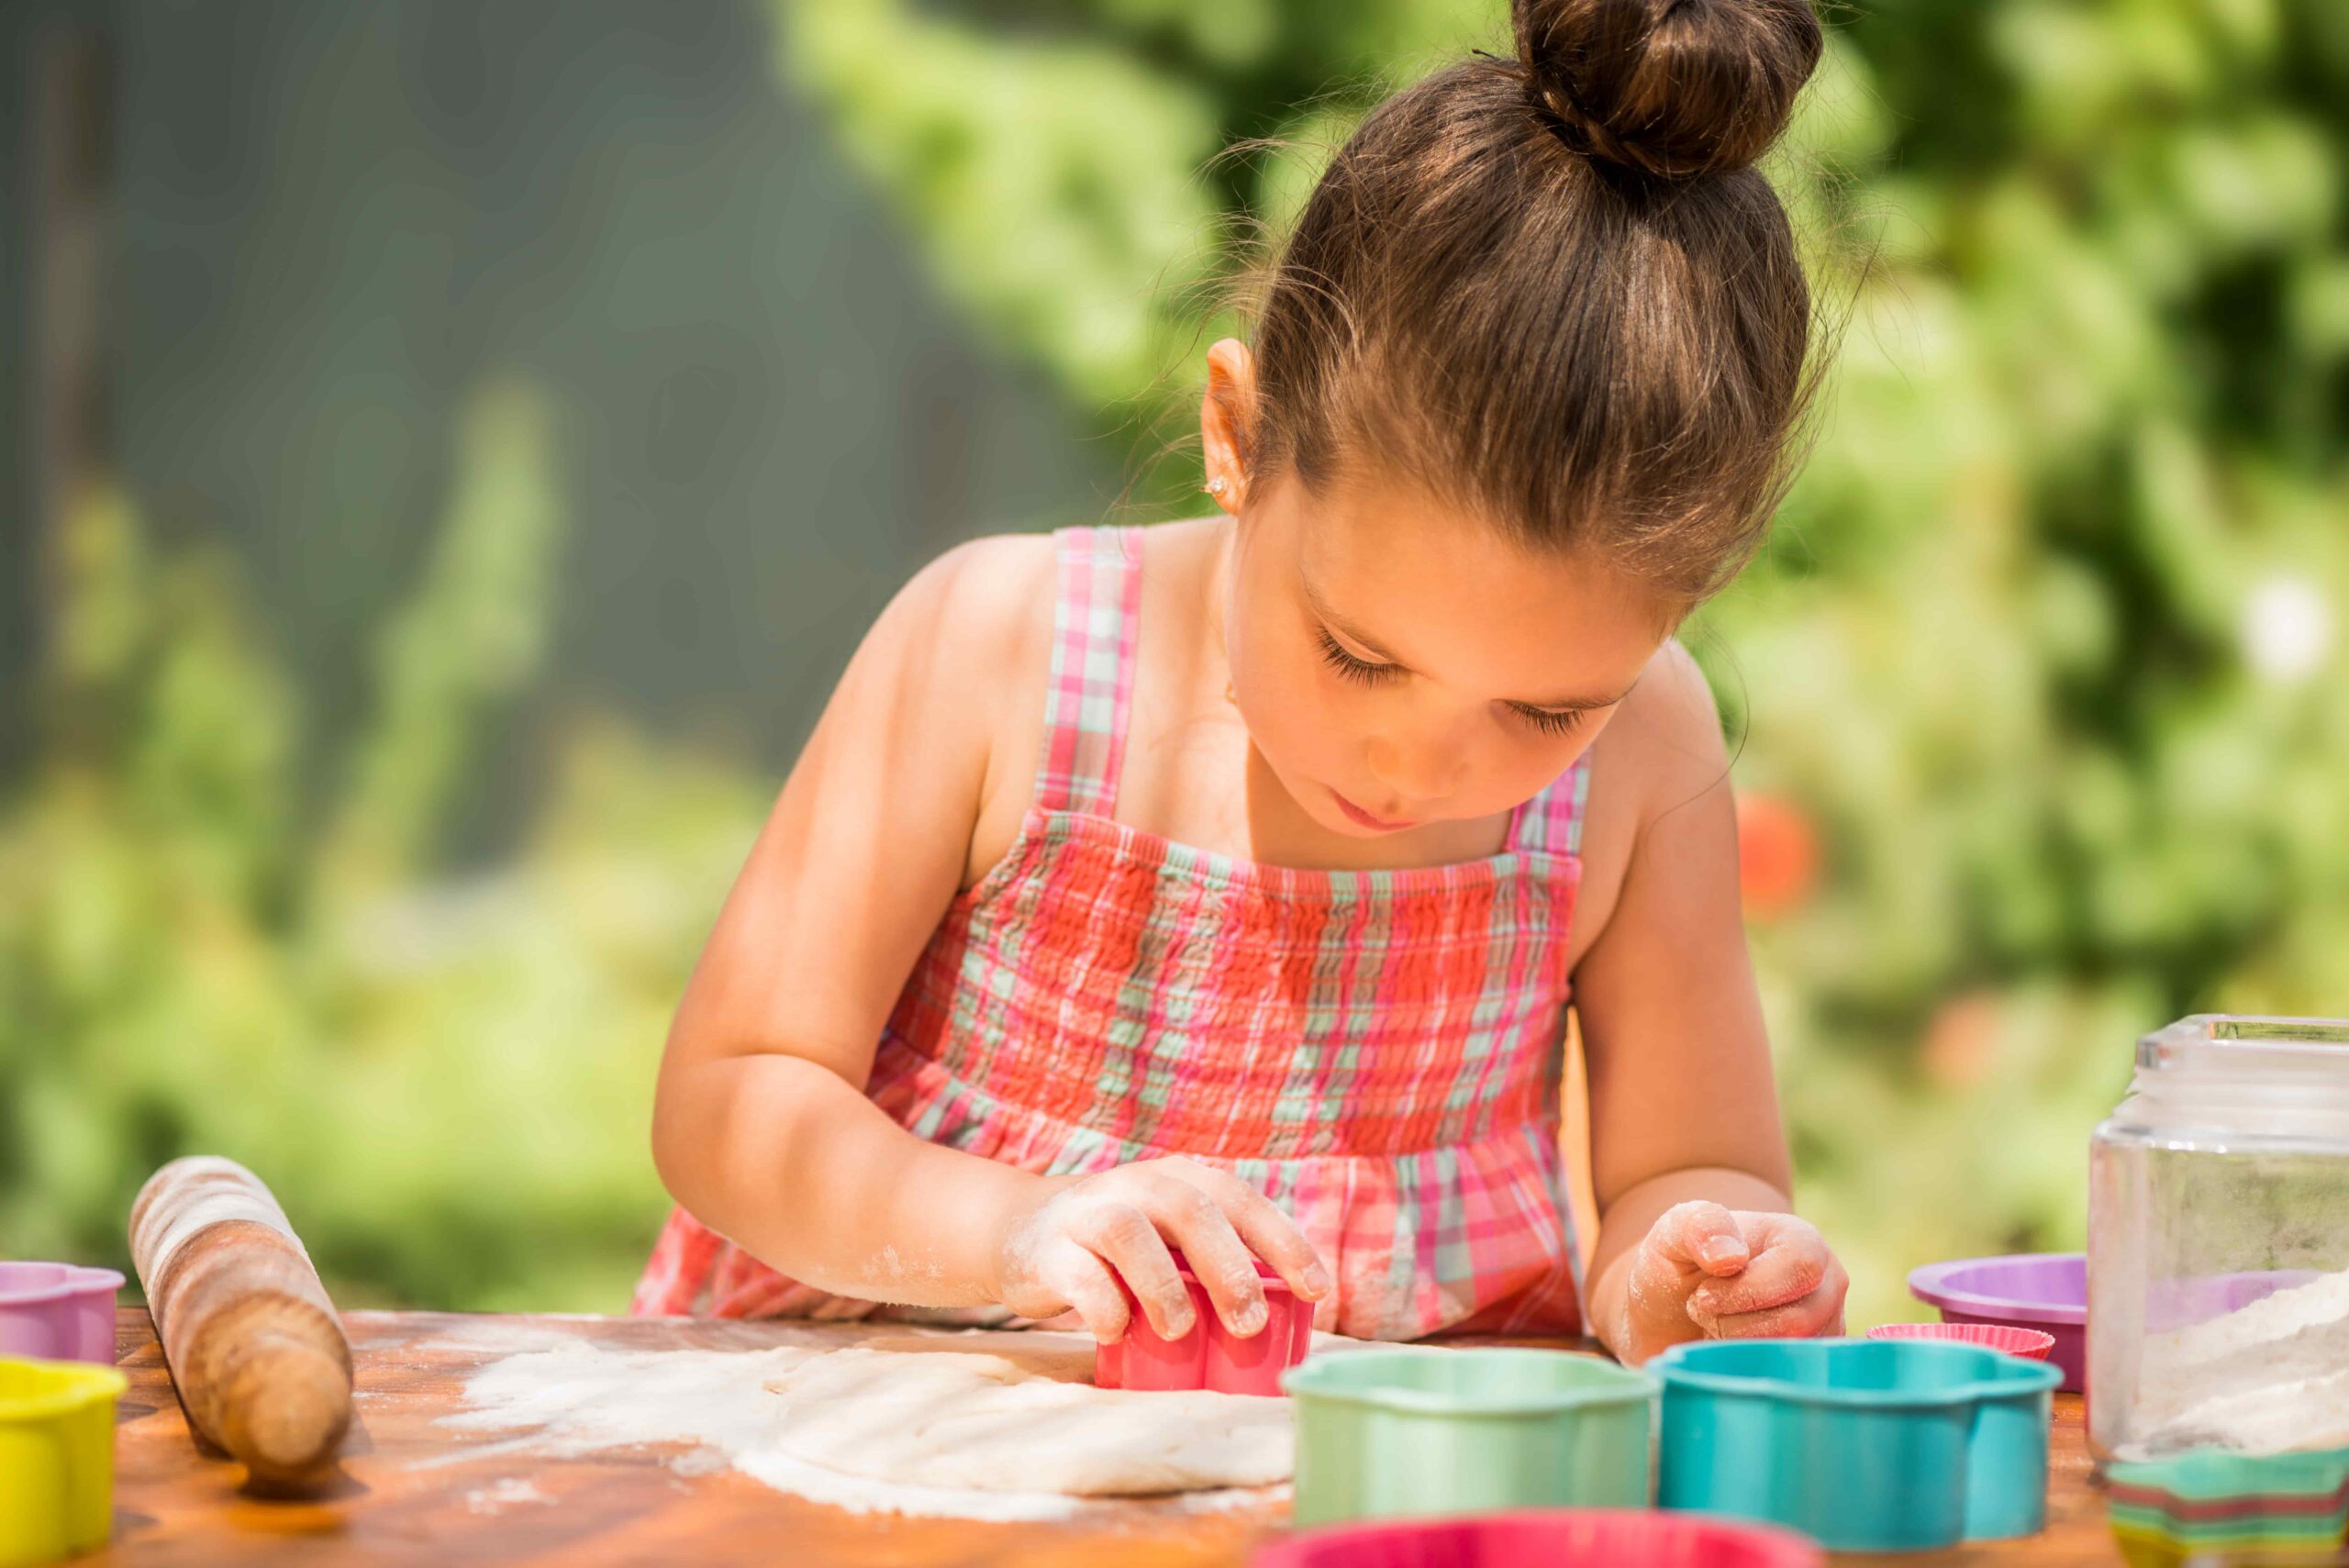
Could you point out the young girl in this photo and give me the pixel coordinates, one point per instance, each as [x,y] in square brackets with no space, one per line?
[1218,886]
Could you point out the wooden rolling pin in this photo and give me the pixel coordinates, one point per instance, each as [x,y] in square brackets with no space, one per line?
[254,1345]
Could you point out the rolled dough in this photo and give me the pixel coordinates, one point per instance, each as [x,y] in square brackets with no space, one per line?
[925,1414]
[1025,1418]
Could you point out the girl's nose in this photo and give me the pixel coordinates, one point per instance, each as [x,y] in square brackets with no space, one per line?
[1420,770]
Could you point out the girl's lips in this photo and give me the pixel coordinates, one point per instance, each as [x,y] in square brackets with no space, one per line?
[1357,816]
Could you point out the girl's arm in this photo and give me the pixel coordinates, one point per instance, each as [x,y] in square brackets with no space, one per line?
[1688,1154]
[761,1124]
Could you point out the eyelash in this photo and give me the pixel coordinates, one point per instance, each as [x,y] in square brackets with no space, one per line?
[1346,664]
[1547,721]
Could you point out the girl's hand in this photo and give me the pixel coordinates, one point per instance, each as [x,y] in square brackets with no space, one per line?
[1070,1250]
[1705,1271]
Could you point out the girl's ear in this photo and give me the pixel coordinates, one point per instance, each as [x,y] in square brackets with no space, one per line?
[1227,414]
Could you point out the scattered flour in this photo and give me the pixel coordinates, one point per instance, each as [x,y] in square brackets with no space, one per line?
[494,1499]
[876,1418]
[2265,1378]
[1019,1413]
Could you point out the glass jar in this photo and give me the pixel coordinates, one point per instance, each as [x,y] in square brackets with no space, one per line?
[2219,1242]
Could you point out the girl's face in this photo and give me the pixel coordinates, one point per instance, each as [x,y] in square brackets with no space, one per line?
[1399,666]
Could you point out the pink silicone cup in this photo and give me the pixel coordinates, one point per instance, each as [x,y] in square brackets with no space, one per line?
[2012,1339]
[58,1312]
[1546,1538]
[1209,1356]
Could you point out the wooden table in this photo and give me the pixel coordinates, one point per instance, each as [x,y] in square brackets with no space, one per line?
[412,1492]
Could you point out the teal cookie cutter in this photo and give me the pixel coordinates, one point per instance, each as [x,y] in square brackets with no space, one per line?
[1870,1445]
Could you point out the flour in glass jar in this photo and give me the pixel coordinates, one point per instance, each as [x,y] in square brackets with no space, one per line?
[2265,1378]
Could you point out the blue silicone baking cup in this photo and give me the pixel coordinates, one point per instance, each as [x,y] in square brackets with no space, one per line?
[1870,1445]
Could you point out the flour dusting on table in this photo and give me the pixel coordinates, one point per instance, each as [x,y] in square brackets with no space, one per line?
[497,1498]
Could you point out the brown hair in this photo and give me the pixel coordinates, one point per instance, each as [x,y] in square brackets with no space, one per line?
[1590,304]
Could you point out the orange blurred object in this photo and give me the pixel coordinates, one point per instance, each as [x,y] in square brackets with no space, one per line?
[1961,1040]
[1777,855]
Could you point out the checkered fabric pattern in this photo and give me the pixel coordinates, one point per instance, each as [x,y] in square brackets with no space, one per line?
[1378,1051]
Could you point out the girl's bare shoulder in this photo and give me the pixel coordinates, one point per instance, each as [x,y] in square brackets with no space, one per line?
[1666,746]
[1661,753]
[989,599]
[973,634]
[966,623]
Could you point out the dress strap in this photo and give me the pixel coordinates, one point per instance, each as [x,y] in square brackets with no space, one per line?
[1551,823]
[1096,611]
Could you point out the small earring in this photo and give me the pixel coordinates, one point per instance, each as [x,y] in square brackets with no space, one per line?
[1217,485]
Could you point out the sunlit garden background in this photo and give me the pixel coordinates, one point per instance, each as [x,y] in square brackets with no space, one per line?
[452,450]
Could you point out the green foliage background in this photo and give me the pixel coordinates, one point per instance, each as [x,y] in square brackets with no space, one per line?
[2013,652]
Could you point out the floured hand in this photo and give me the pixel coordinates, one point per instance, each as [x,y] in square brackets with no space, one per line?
[1703,1270]
[1071,1251]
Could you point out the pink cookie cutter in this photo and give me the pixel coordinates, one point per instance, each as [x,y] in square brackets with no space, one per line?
[1209,1356]
[58,1312]
[2012,1339]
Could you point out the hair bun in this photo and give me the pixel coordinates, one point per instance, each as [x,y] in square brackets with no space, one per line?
[1673,88]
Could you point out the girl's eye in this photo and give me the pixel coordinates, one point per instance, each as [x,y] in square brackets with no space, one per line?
[1550,721]
[1347,665]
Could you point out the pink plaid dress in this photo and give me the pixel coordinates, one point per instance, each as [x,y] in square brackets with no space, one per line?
[1377,1051]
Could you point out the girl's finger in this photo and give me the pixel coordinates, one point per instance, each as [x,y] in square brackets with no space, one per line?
[1821,1312]
[1765,1230]
[1657,1292]
[1122,1235]
[1788,1271]
[1269,1233]
[1085,1282]
[1221,1263]
[1702,1235]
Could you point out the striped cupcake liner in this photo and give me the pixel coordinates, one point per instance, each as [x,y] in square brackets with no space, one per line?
[2209,1504]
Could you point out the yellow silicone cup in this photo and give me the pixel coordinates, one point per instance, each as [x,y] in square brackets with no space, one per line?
[55,1458]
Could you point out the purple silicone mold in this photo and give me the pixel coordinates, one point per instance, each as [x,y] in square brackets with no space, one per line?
[58,1312]
[2049,1291]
